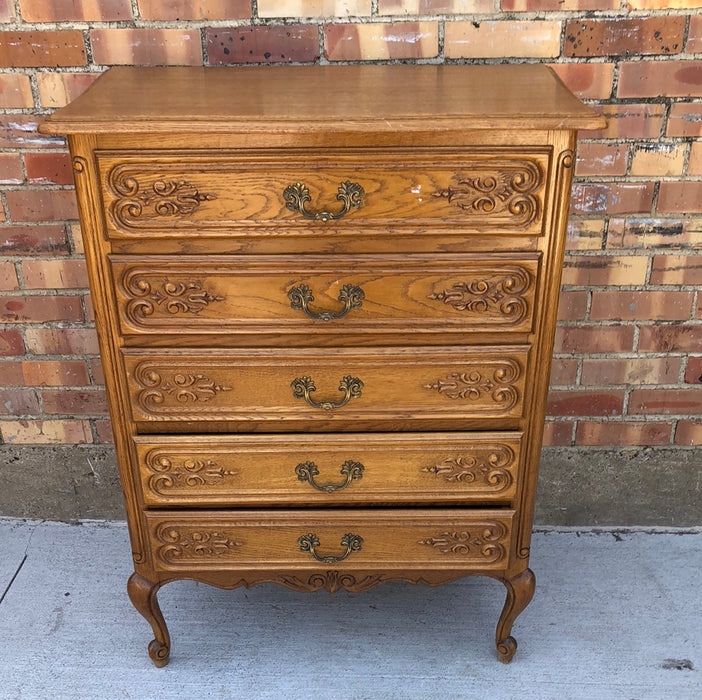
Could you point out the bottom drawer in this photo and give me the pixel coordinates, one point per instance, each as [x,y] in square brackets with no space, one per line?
[350,539]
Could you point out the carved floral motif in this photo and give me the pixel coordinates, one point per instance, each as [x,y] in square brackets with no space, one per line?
[171,473]
[504,191]
[180,544]
[172,297]
[484,544]
[501,294]
[494,383]
[159,198]
[184,388]
[488,467]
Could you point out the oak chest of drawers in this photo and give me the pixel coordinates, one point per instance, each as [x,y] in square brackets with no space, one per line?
[326,298]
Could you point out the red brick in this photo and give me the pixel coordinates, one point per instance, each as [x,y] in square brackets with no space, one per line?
[623,37]
[653,233]
[688,432]
[666,338]
[38,49]
[685,197]
[611,197]
[49,168]
[75,10]
[146,46]
[640,370]
[585,403]
[685,119]
[589,81]
[54,274]
[603,270]
[18,402]
[7,10]
[563,372]
[8,277]
[572,306]
[33,240]
[376,42]
[20,131]
[662,4]
[623,433]
[97,371]
[660,78]
[180,10]
[262,44]
[641,306]
[665,402]
[529,39]
[74,403]
[76,239]
[44,373]
[585,234]
[594,339]
[62,341]
[630,121]
[558,433]
[46,432]
[40,309]
[11,169]
[103,428]
[411,7]
[58,89]
[15,91]
[694,36]
[11,342]
[601,159]
[694,167]
[658,160]
[677,269]
[693,372]
[558,5]
[42,205]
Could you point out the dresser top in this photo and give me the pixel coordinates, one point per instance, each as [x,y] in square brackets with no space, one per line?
[329,98]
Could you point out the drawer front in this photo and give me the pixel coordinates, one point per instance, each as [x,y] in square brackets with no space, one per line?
[261,388]
[314,295]
[328,470]
[314,539]
[300,192]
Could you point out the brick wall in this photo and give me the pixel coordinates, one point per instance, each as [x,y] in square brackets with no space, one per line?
[629,346]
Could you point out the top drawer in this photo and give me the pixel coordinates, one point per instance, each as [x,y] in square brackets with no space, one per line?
[303,192]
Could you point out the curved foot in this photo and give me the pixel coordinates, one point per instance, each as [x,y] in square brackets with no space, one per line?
[142,593]
[520,591]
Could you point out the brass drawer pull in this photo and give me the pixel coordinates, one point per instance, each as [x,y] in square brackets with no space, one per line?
[351,542]
[303,386]
[351,296]
[296,196]
[350,469]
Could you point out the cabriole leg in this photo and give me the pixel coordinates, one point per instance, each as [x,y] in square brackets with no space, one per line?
[142,593]
[520,591]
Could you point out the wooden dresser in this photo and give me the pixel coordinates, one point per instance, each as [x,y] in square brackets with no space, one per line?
[326,299]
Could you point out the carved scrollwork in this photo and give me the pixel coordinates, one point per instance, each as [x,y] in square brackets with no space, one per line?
[183,387]
[495,382]
[169,473]
[485,543]
[173,297]
[500,294]
[503,191]
[161,197]
[488,467]
[187,545]
[333,581]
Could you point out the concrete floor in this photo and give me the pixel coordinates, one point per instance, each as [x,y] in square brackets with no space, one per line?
[616,615]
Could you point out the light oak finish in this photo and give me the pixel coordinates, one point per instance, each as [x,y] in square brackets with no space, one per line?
[309,284]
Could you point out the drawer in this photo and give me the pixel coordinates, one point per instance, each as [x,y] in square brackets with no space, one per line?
[317,539]
[328,470]
[314,296]
[308,389]
[304,191]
